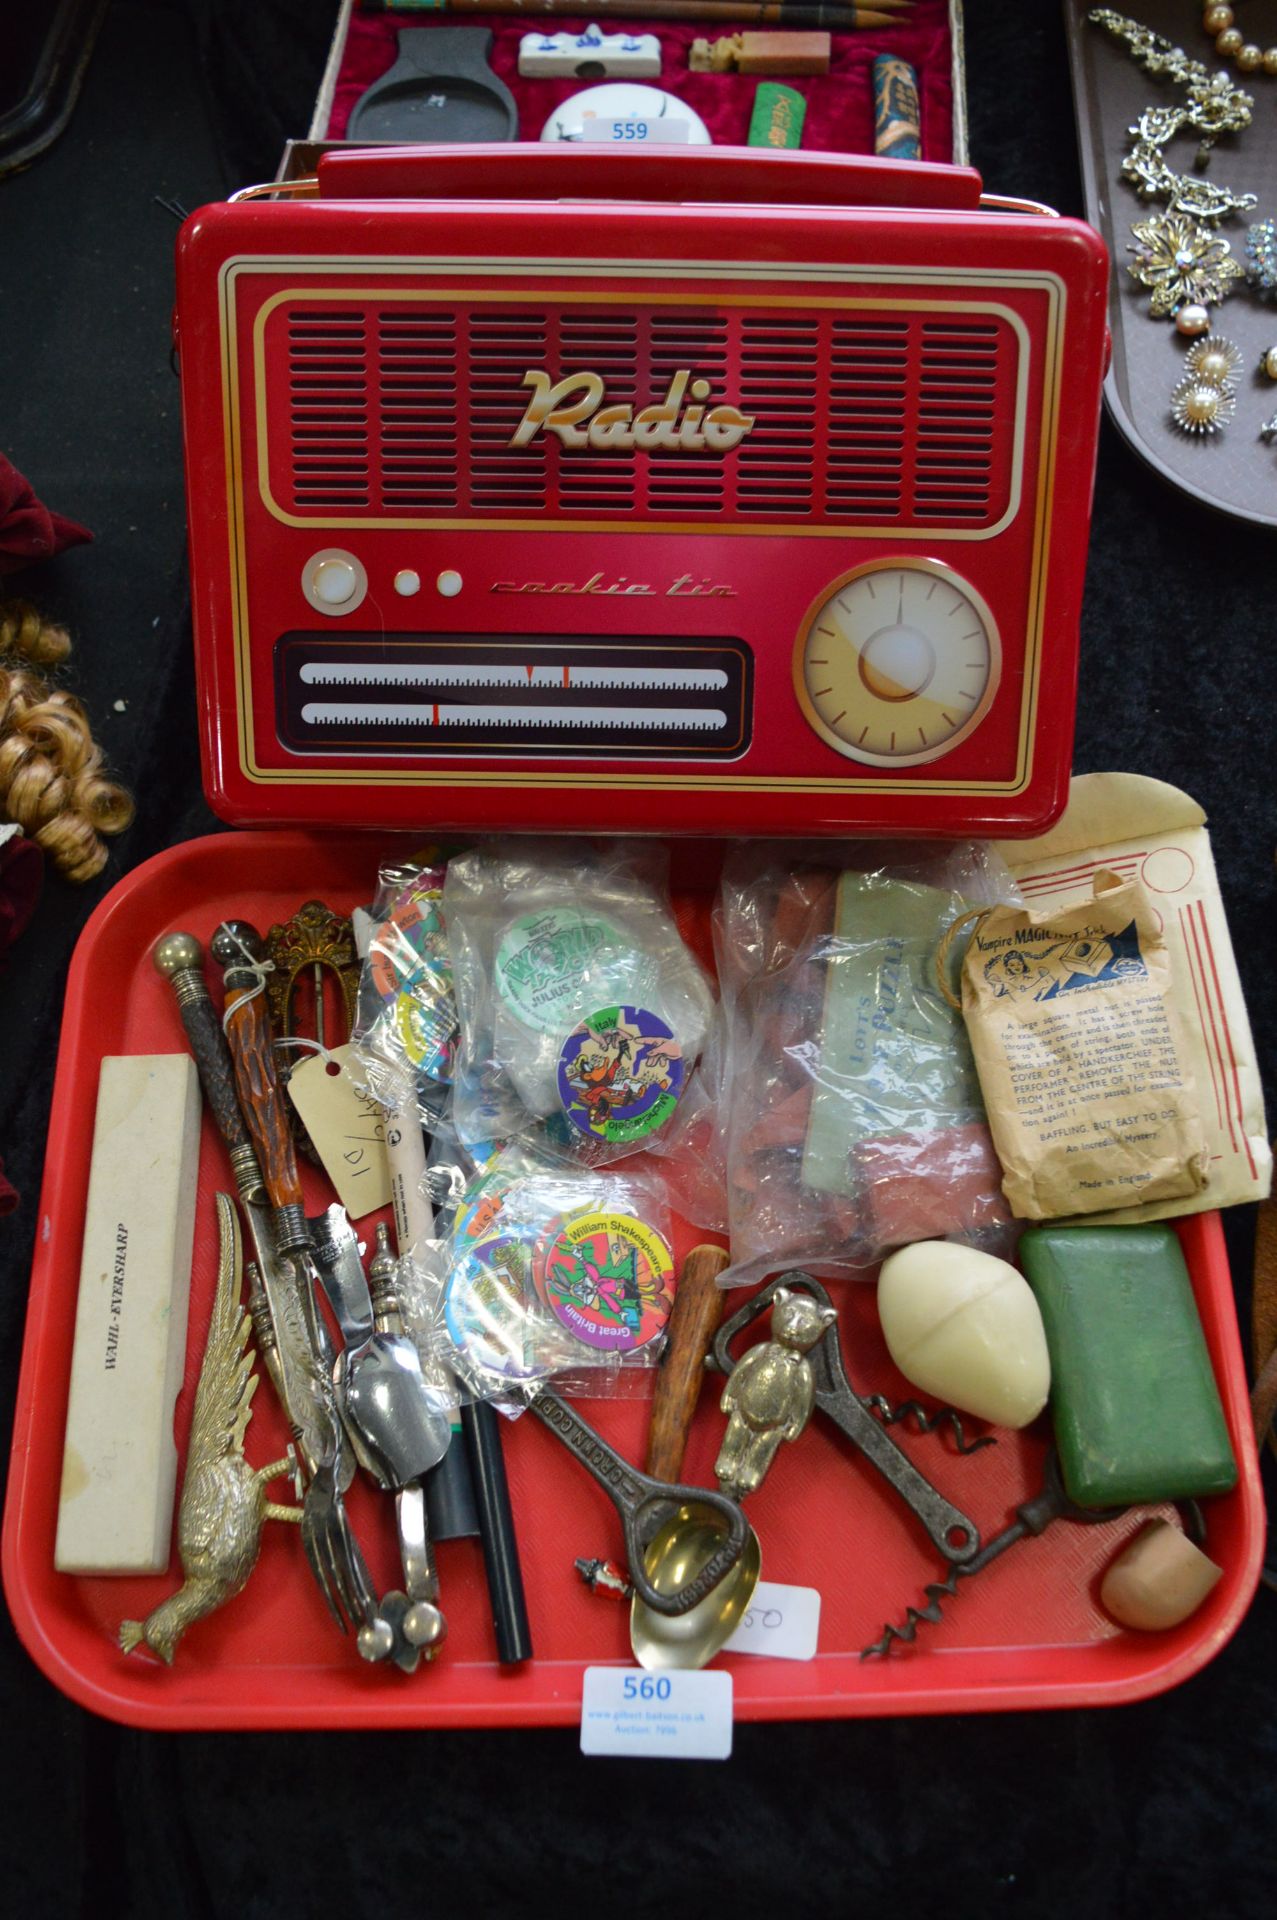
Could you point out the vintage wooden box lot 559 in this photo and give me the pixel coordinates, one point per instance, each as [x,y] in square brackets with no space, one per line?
[707,494]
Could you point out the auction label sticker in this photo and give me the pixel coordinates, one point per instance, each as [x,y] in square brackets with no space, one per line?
[657,1716]
[544,959]
[608,1278]
[620,1075]
[781,1623]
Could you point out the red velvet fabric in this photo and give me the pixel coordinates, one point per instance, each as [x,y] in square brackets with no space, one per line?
[28,530]
[21,874]
[839,104]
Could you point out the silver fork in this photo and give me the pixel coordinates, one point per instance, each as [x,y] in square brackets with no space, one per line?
[335,1557]
[328,1539]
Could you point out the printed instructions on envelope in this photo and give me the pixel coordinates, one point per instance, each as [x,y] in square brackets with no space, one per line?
[1145,829]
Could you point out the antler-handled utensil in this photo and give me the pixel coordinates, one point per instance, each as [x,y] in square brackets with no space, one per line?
[294,1364]
[237,949]
[331,1545]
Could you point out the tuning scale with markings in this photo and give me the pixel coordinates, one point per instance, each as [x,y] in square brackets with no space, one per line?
[453,694]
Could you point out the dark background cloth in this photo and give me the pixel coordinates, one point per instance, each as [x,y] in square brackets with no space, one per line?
[1166,1806]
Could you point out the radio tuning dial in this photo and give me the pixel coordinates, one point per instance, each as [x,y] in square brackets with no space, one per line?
[897,662]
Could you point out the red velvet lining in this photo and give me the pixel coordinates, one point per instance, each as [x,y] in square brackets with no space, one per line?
[839,105]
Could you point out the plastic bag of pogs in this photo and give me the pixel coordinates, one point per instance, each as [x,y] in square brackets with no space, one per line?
[556,1275]
[582,1012]
[405,1028]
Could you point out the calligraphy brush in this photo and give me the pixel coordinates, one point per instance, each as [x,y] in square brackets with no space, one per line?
[836,15]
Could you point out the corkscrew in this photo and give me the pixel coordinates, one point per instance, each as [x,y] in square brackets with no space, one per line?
[946,1526]
[927,1420]
[1031,1518]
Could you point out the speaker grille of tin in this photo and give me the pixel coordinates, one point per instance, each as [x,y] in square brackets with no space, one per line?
[859,416]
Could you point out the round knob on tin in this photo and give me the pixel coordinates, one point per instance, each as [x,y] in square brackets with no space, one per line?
[334,581]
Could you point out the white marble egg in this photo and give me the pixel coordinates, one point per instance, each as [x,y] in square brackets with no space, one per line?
[965,1327]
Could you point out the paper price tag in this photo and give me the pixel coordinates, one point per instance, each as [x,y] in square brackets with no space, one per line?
[348,1131]
[632,130]
[656,1716]
[781,1622]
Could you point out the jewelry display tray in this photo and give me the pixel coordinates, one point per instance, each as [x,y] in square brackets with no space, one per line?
[1232,469]
[1027,1632]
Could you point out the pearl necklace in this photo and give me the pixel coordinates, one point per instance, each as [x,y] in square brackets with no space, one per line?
[1217,21]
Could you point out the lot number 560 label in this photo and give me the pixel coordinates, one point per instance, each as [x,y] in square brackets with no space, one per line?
[673,1716]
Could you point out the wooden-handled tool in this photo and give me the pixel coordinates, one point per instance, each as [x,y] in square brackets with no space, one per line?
[698,1308]
[334,1553]
[283,1328]
[239,950]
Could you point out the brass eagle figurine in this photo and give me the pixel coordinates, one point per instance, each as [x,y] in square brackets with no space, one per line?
[224,1503]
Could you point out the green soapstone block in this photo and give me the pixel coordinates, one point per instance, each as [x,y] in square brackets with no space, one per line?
[1137,1412]
[894,1057]
[777,119]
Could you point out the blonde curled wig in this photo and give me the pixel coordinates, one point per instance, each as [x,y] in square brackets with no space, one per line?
[52,778]
[27,635]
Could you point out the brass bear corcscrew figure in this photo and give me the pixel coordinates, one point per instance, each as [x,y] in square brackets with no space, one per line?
[770,1393]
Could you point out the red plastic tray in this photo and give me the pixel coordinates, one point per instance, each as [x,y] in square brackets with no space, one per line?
[1028,1632]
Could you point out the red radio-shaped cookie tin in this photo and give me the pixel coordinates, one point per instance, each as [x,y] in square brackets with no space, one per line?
[702,493]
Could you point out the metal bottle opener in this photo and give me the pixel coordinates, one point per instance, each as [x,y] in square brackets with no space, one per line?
[645,1504]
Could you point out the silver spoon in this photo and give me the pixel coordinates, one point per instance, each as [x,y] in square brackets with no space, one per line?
[398,1427]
